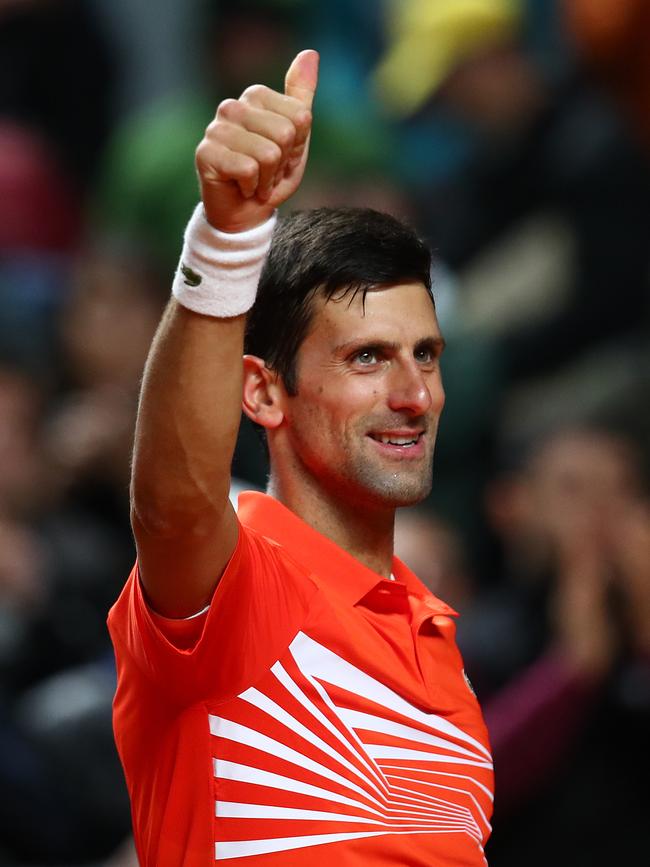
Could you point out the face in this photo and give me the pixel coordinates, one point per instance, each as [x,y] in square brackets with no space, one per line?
[364,420]
[581,478]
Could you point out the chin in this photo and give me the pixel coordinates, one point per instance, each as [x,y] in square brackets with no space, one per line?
[411,499]
[397,493]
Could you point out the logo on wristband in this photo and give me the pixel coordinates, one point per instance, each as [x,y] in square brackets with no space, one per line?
[191,277]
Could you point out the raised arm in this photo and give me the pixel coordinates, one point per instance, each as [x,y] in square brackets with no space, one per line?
[250,161]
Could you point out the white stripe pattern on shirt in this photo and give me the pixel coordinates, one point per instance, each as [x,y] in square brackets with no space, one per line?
[391,774]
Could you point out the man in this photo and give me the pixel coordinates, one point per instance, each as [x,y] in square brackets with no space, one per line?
[289,692]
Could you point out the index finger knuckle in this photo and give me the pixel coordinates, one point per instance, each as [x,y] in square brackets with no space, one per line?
[229,109]
[255,93]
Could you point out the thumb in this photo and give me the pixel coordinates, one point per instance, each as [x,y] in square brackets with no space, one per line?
[302,77]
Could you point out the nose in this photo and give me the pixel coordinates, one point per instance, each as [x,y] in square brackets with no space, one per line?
[411,388]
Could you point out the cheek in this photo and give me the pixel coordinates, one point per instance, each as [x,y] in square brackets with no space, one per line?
[311,419]
[322,424]
[333,407]
[439,397]
[437,392]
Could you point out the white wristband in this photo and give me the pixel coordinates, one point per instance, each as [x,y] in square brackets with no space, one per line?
[218,272]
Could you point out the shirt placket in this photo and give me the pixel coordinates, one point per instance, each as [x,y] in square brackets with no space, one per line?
[428,627]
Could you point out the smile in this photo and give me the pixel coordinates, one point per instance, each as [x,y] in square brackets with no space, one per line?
[398,440]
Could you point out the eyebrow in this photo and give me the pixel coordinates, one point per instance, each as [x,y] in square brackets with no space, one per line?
[434,343]
[437,344]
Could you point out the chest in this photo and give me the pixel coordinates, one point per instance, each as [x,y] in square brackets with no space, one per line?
[365,726]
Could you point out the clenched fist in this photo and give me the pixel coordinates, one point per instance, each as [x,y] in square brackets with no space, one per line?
[253,155]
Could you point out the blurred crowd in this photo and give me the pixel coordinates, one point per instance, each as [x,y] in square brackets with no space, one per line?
[515,135]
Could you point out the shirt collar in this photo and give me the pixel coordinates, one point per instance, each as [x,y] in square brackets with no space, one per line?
[350,578]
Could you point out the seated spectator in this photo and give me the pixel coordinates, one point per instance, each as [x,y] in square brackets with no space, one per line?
[562,647]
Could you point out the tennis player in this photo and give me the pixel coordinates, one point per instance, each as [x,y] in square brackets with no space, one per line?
[289,693]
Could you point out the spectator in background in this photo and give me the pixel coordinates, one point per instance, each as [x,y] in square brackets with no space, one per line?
[40,226]
[538,143]
[56,570]
[570,504]
[56,80]
[147,186]
[559,644]
[55,109]
[612,36]
[21,487]
[65,542]
[84,440]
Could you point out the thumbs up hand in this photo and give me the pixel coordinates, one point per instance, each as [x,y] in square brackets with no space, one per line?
[253,155]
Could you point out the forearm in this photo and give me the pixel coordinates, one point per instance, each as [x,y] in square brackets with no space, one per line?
[189,413]
[192,389]
[184,526]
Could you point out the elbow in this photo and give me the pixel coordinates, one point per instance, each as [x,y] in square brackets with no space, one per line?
[177,519]
[151,521]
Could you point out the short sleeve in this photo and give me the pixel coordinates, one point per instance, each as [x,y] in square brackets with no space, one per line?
[259,605]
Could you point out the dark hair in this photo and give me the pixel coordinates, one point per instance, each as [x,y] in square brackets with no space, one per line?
[328,251]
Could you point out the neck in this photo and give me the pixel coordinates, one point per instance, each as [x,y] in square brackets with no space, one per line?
[365,533]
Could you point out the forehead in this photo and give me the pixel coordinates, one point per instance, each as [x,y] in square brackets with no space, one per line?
[401,313]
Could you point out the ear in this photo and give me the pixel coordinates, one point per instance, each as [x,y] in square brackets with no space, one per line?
[263,393]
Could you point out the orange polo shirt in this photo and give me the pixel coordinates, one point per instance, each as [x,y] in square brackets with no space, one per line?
[317,713]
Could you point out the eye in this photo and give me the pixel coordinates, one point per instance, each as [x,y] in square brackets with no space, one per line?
[424,355]
[366,357]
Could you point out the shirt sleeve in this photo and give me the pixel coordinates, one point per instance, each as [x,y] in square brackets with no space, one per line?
[258,606]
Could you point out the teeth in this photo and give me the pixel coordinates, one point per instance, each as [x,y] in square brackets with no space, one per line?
[397,441]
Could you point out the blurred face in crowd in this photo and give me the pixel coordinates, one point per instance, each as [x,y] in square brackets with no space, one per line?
[363,423]
[108,324]
[20,459]
[498,90]
[434,551]
[579,481]
[587,473]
